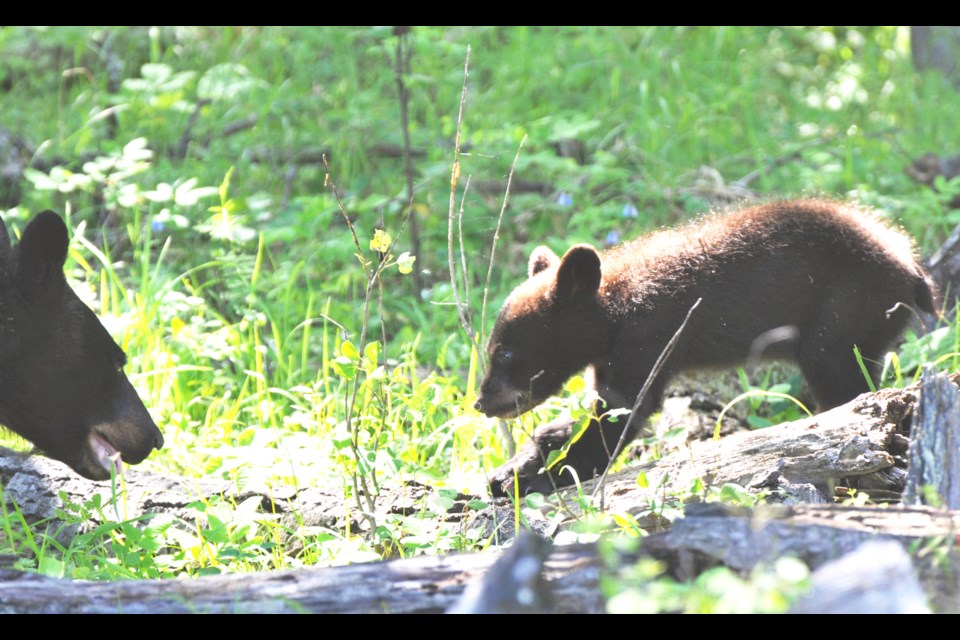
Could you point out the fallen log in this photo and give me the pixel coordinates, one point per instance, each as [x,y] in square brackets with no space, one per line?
[934,454]
[862,444]
[715,535]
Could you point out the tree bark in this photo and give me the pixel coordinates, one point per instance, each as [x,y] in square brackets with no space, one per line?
[709,535]
[934,454]
[936,48]
[862,444]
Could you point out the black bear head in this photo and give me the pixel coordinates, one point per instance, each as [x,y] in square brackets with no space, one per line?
[550,327]
[62,384]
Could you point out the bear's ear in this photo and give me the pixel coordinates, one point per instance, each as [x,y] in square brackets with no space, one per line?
[579,273]
[43,249]
[540,260]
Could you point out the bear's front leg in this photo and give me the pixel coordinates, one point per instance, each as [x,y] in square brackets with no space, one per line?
[588,456]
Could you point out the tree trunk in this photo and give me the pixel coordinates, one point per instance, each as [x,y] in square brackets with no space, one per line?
[936,48]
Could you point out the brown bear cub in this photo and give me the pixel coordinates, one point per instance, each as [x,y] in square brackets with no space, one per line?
[834,275]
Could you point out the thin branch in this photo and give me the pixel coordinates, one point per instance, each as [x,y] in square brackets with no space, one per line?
[328,182]
[464,274]
[454,177]
[654,372]
[496,237]
[359,479]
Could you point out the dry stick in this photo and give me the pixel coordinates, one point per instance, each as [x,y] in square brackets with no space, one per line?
[496,237]
[240,125]
[657,366]
[328,182]
[472,336]
[501,424]
[373,278]
[462,311]
[350,403]
[402,62]
[464,275]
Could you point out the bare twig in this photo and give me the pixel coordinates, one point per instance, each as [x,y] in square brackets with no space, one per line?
[239,125]
[328,182]
[464,274]
[496,237]
[229,129]
[359,479]
[654,372]
[504,429]
[462,307]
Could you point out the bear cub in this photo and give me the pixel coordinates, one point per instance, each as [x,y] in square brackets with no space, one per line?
[835,276]
[62,384]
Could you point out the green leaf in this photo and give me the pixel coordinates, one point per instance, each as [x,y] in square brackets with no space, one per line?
[349,350]
[52,567]
[345,367]
[371,352]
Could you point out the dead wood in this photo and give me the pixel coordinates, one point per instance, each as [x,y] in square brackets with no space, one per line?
[876,578]
[425,584]
[862,444]
[708,536]
[934,454]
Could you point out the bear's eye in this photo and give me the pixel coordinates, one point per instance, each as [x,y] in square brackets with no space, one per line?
[506,355]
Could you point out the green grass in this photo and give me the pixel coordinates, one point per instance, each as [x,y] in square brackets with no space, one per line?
[254,325]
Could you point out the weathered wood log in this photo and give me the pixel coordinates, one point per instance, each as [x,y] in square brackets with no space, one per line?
[817,534]
[37,486]
[876,578]
[514,584]
[860,445]
[426,584]
[934,454]
[944,264]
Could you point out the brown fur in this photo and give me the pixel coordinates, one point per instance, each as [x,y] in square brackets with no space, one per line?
[832,273]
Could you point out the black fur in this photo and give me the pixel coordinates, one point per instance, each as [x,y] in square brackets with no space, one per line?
[62,384]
